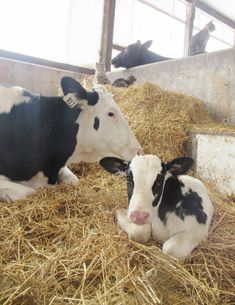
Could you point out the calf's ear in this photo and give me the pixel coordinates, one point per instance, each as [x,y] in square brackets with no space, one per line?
[179,166]
[114,165]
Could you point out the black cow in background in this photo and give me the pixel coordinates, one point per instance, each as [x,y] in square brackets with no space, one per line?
[136,54]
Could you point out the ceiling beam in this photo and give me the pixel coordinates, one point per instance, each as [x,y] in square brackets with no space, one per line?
[214,13]
[45,62]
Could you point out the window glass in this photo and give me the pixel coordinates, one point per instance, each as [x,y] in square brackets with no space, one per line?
[135,20]
[66,30]
[221,38]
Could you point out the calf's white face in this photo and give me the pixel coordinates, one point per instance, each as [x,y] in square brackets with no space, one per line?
[141,177]
[145,178]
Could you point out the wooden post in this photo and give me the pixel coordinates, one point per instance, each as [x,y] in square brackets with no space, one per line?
[189,26]
[234,38]
[107,33]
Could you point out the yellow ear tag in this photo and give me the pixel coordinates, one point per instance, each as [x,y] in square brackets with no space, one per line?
[71,100]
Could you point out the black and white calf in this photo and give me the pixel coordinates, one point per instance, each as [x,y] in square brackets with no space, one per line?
[136,54]
[40,135]
[173,207]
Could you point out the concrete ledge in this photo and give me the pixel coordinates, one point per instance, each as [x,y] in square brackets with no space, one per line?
[209,77]
[39,79]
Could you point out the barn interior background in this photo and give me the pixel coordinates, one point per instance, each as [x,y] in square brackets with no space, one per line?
[62,246]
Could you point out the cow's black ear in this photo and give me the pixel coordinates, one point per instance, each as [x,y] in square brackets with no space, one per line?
[114,165]
[71,85]
[146,44]
[179,166]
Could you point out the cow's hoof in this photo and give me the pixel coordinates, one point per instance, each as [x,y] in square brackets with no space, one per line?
[67,177]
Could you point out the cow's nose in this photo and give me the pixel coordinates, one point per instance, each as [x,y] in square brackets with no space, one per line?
[139,217]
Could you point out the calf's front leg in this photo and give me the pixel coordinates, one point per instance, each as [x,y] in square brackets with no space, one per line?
[180,245]
[139,233]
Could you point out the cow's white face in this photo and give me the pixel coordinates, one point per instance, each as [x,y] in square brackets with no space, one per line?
[104,131]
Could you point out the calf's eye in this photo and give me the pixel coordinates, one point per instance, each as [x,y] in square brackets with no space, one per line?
[111,114]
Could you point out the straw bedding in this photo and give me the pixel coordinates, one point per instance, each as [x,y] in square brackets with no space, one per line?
[63,246]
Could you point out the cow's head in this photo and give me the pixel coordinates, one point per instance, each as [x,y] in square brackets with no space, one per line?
[103,130]
[146,176]
[131,56]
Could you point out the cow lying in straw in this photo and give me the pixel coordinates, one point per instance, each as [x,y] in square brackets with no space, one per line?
[41,135]
[174,207]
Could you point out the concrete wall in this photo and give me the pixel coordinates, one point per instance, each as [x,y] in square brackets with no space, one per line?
[40,79]
[215,159]
[209,77]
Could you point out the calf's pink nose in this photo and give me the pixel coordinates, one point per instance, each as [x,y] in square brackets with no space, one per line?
[139,217]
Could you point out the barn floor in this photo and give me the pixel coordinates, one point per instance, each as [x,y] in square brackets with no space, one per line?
[63,246]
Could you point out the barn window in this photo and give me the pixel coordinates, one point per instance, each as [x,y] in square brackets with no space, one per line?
[66,31]
[164,22]
[160,21]
[221,38]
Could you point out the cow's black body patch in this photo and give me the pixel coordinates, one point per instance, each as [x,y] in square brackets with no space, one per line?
[96,123]
[181,204]
[39,135]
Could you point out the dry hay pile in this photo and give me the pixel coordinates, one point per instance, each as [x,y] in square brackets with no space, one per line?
[62,245]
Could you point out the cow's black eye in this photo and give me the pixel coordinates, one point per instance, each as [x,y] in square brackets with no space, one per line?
[111,114]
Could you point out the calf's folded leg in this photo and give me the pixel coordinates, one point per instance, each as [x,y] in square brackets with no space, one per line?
[139,233]
[180,245]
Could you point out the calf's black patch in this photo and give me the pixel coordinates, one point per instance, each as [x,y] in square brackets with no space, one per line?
[181,204]
[191,204]
[130,184]
[157,187]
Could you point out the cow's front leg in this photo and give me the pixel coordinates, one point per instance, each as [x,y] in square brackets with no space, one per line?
[11,191]
[66,176]
[139,233]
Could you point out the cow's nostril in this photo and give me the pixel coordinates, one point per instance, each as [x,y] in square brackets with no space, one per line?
[139,217]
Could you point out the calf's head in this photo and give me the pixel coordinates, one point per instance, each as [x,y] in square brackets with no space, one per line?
[103,131]
[146,176]
[131,56]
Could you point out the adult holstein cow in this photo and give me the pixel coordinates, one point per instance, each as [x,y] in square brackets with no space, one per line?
[173,207]
[136,54]
[40,136]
